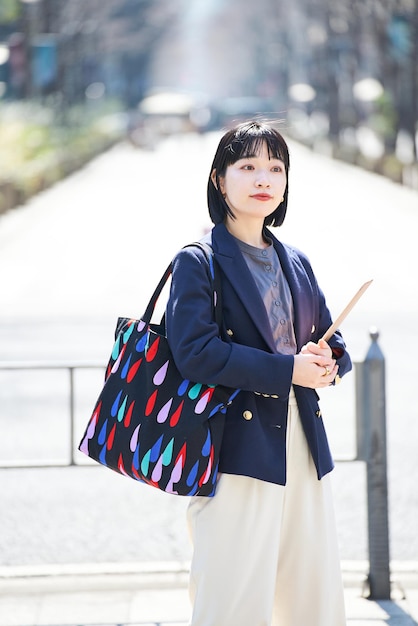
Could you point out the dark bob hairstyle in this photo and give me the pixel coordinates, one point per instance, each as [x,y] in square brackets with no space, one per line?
[241,142]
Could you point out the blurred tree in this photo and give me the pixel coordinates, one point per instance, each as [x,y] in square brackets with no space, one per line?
[138,26]
[402,65]
[414,80]
[123,35]
[9,11]
[106,41]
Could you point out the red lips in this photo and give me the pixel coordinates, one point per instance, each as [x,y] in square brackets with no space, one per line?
[262,196]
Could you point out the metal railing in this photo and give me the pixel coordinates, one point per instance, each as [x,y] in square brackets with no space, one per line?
[71,368]
[370,411]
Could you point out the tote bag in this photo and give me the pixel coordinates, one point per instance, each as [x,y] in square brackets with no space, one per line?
[151,424]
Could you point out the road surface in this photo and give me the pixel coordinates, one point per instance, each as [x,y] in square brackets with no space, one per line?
[81,253]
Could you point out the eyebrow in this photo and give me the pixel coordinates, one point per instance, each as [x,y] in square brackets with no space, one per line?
[255,156]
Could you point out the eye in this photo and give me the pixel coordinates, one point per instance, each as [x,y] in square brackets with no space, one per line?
[248,167]
[277,168]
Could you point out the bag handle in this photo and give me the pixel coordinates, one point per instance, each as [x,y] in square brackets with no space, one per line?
[214,279]
[157,292]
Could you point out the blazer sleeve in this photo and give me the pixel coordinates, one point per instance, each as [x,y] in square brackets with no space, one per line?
[200,354]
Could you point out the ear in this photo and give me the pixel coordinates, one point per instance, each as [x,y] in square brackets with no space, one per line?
[213,178]
[215,182]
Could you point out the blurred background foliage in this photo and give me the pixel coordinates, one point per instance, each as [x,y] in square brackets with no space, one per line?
[78,75]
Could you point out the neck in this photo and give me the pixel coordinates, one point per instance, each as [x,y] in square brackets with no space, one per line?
[250,233]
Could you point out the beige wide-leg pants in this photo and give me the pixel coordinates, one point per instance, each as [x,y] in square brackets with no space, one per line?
[264,554]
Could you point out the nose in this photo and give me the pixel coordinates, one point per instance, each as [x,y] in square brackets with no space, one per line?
[262,180]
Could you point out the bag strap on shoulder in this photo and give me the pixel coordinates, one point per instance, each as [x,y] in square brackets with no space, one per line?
[213,277]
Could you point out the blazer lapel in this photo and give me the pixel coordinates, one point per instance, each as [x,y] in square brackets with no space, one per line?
[301,289]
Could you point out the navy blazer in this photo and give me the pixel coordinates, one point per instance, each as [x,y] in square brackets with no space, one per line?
[244,356]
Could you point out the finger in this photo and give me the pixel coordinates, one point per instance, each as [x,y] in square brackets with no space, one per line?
[326,359]
[329,380]
[329,371]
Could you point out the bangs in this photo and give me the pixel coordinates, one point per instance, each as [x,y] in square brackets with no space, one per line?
[249,141]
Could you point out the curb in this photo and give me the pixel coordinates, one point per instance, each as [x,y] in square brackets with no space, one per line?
[108,577]
[155,594]
[159,574]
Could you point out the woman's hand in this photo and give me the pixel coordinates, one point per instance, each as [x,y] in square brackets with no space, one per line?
[314,366]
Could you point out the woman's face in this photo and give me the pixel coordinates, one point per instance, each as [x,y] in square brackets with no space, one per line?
[254,187]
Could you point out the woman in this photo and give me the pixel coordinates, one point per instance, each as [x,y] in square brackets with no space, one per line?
[265,548]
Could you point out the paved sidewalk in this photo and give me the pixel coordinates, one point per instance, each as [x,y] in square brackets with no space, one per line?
[155,594]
